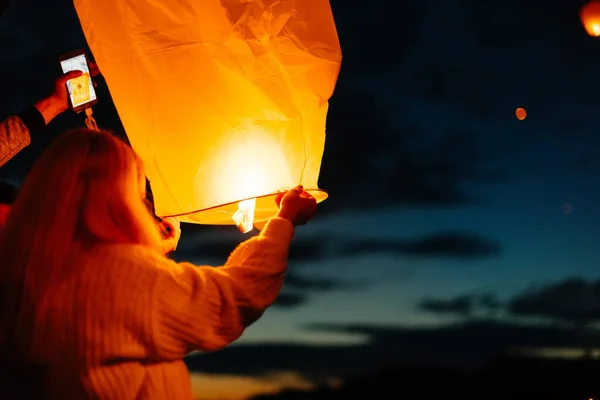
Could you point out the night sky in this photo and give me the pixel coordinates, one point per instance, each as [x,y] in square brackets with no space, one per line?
[453,231]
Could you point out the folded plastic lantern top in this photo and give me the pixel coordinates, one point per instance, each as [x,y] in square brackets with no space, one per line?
[224,100]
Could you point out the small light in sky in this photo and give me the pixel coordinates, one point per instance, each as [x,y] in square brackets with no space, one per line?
[568,209]
[590,17]
[521,113]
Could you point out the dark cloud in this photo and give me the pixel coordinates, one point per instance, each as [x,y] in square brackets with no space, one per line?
[217,245]
[290,300]
[300,282]
[489,301]
[445,244]
[463,305]
[376,158]
[214,246]
[298,288]
[573,300]
[466,344]
[516,378]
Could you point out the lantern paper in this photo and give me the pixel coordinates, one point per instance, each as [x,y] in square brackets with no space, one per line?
[521,113]
[224,100]
[590,17]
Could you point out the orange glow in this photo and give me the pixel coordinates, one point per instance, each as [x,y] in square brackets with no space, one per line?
[521,114]
[224,100]
[590,17]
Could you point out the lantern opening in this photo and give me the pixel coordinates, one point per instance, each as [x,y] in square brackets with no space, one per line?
[244,216]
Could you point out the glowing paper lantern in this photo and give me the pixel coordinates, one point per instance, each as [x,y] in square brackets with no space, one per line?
[224,100]
[590,17]
[521,114]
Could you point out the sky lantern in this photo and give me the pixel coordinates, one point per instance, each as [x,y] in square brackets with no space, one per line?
[224,100]
[590,17]
[521,114]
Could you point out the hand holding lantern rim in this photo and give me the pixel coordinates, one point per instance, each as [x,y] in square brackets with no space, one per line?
[296,205]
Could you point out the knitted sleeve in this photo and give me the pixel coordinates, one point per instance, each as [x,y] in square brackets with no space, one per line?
[16,131]
[207,308]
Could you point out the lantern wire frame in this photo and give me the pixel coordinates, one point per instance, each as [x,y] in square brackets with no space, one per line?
[265,209]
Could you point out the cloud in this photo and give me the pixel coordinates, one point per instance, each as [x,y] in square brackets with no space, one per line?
[290,300]
[371,161]
[297,281]
[460,245]
[198,243]
[464,344]
[299,288]
[463,305]
[573,300]
[317,247]
[213,246]
[215,243]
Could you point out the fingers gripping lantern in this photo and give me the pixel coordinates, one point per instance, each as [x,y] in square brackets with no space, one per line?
[224,100]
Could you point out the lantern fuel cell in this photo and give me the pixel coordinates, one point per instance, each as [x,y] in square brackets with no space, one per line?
[244,216]
[223,100]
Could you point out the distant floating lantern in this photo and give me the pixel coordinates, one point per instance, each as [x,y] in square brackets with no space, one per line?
[590,17]
[521,114]
[225,101]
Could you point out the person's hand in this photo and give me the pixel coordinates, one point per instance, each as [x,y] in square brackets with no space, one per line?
[296,205]
[60,94]
[171,232]
[58,101]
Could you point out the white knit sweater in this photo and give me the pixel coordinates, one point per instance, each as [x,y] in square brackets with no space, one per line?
[119,326]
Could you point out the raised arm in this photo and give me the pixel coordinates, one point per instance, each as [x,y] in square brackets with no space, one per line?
[206,308]
[16,131]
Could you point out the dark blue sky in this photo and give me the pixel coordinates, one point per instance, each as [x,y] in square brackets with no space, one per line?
[444,207]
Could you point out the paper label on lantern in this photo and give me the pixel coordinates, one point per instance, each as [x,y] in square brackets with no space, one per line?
[224,100]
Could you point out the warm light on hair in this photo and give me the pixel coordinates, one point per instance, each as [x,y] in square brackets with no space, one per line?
[86,189]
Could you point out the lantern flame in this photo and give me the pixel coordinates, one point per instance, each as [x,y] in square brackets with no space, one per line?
[244,216]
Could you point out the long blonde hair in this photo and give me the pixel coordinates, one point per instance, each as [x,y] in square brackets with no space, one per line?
[86,189]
